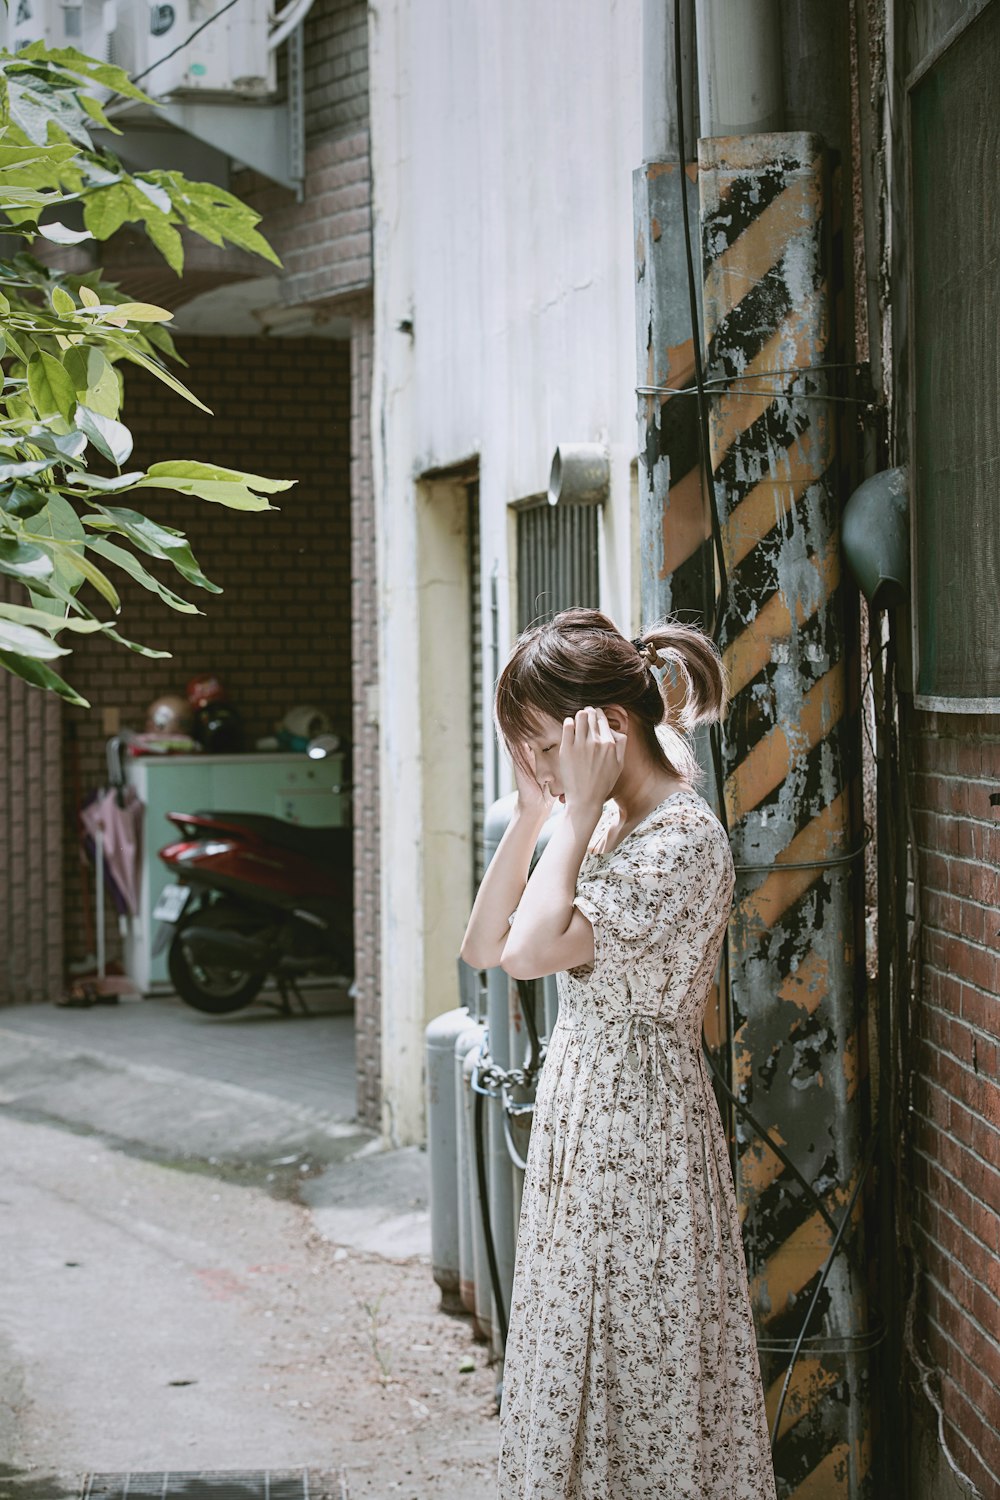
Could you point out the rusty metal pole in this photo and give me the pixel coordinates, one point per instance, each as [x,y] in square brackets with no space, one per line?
[790,750]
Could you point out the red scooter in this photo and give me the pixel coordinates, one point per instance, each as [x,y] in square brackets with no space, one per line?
[254,897]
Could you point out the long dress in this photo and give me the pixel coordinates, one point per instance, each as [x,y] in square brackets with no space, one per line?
[631,1370]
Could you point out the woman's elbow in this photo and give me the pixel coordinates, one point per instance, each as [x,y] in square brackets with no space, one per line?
[476,956]
[518,964]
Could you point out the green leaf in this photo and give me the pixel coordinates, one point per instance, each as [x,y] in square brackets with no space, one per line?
[24,614]
[134,645]
[189,469]
[86,67]
[92,574]
[41,676]
[61,234]
[22,471]
[50,387]
[26,641]
[23,500]
[142,312]
[145,362]
[107,209]
[109,437]
[97,484]
[134,568]
[23,561]
[235,496]
[157,195]
[55,525]
[94,379]
[97,114]
[62,301]
[167,240]
[158,541]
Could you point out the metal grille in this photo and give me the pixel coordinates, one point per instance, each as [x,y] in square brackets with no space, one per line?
[477,727]
[955,187]
[557,560]
[258,1485]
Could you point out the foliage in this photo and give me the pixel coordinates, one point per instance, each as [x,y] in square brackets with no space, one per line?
[65,341]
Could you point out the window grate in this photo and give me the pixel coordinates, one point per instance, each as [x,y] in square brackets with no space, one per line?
[557,560]
[246,1485]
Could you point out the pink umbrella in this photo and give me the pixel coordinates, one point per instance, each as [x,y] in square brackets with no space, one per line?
[115,818]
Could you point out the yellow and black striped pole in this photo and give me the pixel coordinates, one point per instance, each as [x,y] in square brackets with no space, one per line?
[790,763]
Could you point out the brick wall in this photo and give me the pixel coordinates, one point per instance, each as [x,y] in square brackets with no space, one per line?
[364,655]
[957,1093]
[336,67]
[325,241]
[31,925]
[280,632]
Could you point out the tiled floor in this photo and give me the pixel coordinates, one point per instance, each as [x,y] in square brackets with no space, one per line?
[305,1060]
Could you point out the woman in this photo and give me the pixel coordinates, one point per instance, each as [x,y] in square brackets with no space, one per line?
[631,1370]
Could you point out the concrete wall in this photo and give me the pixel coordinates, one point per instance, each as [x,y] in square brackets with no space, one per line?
[503,142]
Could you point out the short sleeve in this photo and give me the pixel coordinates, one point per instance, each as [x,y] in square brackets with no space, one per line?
[675,873]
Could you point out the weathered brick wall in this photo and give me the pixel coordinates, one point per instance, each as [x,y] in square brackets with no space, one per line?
[336,67]
[957,1094]
[364,655]
[31,895]
[279,634]
[325,241]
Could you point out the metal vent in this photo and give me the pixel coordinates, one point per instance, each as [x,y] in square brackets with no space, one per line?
[260,1485]
[557,560]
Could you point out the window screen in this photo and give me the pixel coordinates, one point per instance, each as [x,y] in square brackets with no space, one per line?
[557,561]
[955,195]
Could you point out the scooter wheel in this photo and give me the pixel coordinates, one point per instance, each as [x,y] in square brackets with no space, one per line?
[216,992]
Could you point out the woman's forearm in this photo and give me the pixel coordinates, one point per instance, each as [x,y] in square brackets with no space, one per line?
[543,936]
[500,891]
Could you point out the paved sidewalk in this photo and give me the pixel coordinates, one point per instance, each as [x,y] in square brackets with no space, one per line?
[210,1264]
[306,1060]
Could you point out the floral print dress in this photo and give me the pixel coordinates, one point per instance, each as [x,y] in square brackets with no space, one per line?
[631,1369]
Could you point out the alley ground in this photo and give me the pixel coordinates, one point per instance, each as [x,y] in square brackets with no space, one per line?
[209,1267]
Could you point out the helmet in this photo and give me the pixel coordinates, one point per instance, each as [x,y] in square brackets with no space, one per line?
[170,714]
[217,728]
[302,724]
[205,689]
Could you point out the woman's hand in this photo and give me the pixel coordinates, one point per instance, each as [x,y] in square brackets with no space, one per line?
[533,799]
[591,756]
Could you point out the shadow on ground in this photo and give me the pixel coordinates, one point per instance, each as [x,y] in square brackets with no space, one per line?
[17,1486]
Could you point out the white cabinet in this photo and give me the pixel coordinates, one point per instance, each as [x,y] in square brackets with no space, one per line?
[287,785]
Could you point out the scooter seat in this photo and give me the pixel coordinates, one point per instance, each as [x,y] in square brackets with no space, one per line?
[325,846]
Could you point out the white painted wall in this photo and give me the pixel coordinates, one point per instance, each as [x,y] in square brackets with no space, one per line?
[504,137]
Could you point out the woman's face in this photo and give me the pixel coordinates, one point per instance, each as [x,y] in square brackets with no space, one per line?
[543,747]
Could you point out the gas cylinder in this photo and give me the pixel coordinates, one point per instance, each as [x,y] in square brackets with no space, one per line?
[442,1152]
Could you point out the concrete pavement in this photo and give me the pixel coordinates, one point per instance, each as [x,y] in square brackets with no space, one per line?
[204,1275]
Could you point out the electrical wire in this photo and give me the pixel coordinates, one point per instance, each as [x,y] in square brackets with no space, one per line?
[810,864]
[484,1204]
[186,42]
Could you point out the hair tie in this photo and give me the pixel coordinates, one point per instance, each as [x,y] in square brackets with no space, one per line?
[647,650]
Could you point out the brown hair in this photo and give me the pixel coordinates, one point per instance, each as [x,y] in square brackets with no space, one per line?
[580,659]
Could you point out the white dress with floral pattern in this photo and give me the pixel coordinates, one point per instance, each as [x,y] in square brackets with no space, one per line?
[631,1369]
